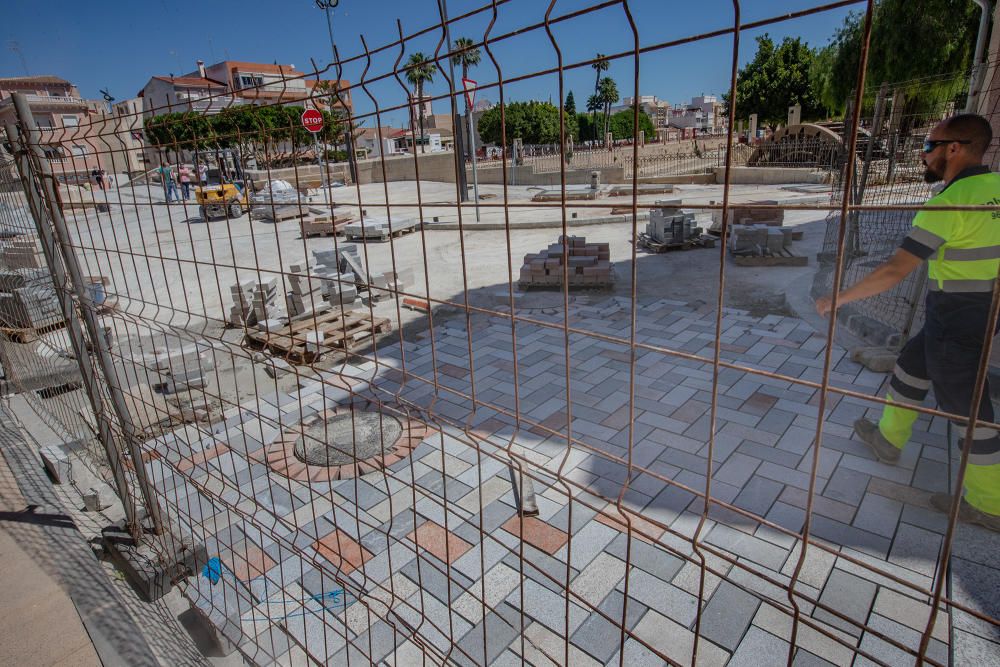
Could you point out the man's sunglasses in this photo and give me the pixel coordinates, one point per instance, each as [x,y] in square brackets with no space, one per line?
[930,145]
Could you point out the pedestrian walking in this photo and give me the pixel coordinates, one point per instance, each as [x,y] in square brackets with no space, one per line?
[203,174]
[167,179]
[185,175]
[98,177]
[962,251]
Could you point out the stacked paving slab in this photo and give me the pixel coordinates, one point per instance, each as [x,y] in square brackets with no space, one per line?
[322,285]
[20,253]
[27,299]
[182,367]
[589,264]
[254,302]
[670,224]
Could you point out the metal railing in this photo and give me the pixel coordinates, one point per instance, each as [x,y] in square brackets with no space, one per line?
[390,451]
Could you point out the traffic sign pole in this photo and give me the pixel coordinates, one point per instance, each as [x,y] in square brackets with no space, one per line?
[312,120]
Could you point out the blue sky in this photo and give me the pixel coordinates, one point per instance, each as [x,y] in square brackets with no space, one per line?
[119,45]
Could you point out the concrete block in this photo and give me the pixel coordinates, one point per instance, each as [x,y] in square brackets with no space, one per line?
[99,497]
[57,462]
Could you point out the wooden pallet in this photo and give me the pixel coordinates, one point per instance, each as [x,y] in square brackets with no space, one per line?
[396,233]
[29,334]
[703,241]
[344,333]
[785,258]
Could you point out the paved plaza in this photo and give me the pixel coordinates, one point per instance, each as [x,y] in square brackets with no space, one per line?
[429,559]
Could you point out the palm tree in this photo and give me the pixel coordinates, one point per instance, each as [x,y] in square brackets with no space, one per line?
[466,55]
[601,64]
[607,94]
[420,70]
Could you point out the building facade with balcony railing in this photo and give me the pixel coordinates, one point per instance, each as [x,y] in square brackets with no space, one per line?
[64,118]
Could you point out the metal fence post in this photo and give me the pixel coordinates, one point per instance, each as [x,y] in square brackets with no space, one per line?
[29,140]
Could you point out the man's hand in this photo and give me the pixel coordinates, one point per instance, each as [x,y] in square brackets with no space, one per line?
[823,305]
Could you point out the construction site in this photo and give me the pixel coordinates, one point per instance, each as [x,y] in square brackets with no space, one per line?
[541,410]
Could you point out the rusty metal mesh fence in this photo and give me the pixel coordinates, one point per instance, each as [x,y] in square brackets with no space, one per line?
[394,449]
[888,171]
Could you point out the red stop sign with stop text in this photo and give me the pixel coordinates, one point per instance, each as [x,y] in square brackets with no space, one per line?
[312,120]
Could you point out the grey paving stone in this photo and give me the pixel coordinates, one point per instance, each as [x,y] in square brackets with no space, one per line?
[737,469]
[759,649]
[747,546]
[846,485]
[665,598]
[878,514]
[888,654]
[758,494]
[931,476]
[841,533]
[653,559]
[430,574]
[971,649]
[727,615]
[598,638]
[916,549]
[804,658]
[851,596]
[499,635]
[612,606]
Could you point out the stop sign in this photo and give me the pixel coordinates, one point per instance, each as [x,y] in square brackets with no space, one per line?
[312,120]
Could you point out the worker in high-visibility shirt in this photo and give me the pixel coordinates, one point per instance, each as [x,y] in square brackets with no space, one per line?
[962,250]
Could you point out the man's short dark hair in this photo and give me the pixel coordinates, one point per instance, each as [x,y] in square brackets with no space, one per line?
[970,127]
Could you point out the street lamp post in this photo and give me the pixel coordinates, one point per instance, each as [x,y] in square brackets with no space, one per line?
[327,6]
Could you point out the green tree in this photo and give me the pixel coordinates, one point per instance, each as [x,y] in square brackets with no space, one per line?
[778,77]
[909,40]
[420,71]
[570,105]
[600,65]
[534,122]
[622,127]
[607,95]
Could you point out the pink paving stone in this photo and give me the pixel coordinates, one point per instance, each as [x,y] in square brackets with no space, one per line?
[537,533]
[249,561]
[342,551]
[641,528]
[203,456]
[444,544]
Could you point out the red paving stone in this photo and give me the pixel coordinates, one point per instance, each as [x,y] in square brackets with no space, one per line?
[537,533]
[201,457]
[249,561]
[447,546]
[611,518]
[341,550]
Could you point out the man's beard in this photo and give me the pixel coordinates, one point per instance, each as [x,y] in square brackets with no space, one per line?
[931,176]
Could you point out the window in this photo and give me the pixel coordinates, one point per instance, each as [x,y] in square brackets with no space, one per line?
[70,121]
[78,151]
[251,80]
[53,152]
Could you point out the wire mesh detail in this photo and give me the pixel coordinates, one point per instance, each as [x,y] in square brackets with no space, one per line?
[396,447]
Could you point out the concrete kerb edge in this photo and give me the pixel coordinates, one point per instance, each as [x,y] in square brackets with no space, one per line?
[113,649]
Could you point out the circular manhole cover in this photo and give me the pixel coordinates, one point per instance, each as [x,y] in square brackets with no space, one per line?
[344,442]
[345,438]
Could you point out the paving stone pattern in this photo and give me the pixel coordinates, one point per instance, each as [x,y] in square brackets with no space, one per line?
[425,561]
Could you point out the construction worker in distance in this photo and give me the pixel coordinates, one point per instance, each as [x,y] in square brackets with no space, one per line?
[962,250]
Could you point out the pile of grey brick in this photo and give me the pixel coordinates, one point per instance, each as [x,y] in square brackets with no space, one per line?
[324,284]
[28,299]
[181,367]
[588,264]
[254,302]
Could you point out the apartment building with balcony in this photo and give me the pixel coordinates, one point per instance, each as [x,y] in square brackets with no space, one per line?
[212,88]
[64,118]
